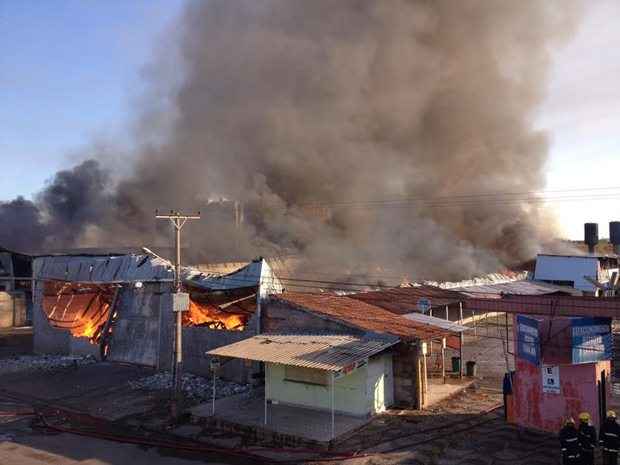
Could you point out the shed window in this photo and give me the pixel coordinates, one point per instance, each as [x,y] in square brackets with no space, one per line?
[305,375]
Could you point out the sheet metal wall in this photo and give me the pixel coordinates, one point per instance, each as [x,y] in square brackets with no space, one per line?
[136,336]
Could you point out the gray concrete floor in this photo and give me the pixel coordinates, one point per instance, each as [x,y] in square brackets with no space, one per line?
[438,391]
[301,422]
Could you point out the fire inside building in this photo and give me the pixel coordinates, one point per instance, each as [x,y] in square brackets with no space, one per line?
[115,307]
[335,360]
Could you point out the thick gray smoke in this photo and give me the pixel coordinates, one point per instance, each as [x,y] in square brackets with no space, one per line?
[309,111]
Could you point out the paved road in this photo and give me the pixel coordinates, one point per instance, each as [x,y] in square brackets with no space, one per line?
[27,448]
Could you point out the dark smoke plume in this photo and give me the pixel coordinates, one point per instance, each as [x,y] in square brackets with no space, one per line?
[305,110]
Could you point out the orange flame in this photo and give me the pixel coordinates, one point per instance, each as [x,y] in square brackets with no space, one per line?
[213,317]
[81,311]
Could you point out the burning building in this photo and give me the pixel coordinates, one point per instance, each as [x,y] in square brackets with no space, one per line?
[118,307]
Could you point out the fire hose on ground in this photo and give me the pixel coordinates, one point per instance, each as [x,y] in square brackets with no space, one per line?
[197,446]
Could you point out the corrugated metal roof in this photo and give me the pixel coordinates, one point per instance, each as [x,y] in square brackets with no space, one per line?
[517,288]
[403,300]
[436,322]
[359,314]
[329,353]
[131,268]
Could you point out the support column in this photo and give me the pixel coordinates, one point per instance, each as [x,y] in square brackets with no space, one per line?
[266,391]
[443,360]
[424,376]
[420,389]
[333,402]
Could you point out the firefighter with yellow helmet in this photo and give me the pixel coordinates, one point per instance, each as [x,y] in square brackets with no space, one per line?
[610,439]
[587,439]
[569,441]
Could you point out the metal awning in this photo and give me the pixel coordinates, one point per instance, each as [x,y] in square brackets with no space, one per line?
[436,322]
[320,352]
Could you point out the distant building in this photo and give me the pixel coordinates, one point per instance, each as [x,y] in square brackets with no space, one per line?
[578,271]
[15,286]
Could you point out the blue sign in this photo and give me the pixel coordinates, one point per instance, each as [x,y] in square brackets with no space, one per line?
[528,339]
[591,339]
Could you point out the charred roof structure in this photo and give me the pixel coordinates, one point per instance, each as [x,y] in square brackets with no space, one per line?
[119,307]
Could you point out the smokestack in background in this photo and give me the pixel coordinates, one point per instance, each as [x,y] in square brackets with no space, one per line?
[591,236]
[614,236]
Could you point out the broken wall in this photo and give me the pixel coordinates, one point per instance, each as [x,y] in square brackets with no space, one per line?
[50,340]
[139,334]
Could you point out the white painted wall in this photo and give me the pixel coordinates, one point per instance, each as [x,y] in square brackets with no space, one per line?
[557,268]
[367,390]
[379,384]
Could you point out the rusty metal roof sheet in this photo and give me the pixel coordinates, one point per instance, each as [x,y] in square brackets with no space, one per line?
[403,300]
[552,305]
[321,352]
[358,314]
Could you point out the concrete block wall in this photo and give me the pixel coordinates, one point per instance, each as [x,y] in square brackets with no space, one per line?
[198,340]
[405,364]
[280,317]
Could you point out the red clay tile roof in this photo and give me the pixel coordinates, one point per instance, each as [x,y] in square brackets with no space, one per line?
[403,300]
[361,315]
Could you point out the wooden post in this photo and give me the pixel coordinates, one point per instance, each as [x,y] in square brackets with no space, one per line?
[424,377]
[473,313]
[461,356]
[443,360]
[420,391]
[333,404]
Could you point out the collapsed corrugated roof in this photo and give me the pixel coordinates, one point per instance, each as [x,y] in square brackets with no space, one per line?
[103,269]
[148,268]
[329,353]
[359,314]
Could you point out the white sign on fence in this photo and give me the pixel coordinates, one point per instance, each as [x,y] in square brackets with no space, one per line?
[551,379]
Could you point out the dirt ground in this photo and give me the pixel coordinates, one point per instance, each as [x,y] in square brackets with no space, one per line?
[467,429]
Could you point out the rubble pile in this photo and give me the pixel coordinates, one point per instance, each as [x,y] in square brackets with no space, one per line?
[193,386]
[43,362]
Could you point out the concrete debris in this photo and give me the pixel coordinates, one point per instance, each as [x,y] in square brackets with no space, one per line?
[43,362]
[194,387]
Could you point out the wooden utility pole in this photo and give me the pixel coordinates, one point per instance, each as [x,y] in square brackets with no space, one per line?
[180,301]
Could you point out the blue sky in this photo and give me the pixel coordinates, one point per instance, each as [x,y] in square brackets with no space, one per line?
[69,70]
